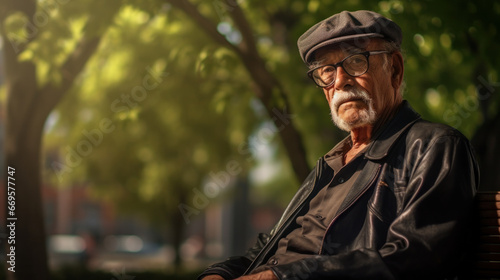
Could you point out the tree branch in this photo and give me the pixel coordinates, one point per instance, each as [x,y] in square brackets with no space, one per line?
[51,94]
[268,87]
[266,84]
[240,20]
[204,23]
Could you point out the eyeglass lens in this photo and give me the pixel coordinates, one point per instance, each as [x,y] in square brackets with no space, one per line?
[354,65]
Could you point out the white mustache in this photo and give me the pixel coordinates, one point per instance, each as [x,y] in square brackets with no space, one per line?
[343,96]
[367,116]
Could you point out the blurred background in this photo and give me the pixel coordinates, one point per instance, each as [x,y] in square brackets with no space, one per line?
[152,138]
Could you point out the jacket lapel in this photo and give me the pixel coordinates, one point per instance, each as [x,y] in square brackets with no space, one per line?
[390,132]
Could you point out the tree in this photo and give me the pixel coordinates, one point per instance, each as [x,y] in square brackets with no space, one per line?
[150,139]
[30,98]
[268,89]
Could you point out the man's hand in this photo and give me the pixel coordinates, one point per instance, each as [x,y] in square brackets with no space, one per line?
[264,275]
[213,277]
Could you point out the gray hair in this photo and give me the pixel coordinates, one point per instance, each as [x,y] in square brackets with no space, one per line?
[393,47]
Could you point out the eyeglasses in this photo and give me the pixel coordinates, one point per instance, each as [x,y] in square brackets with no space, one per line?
[355,65]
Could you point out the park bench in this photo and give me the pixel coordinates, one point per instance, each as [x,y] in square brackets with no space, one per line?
[486,253]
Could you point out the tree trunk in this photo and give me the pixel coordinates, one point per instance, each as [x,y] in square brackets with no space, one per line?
[23,135]
[275,100]
[27,109]
[486,139]
[486,142]
[177,222]
[23,156]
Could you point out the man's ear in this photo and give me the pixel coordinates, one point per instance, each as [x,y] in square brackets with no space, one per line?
[397,70]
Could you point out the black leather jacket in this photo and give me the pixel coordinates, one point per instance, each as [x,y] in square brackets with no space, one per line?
[407,216]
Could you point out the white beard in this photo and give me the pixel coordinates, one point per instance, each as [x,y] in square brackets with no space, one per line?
[366,116]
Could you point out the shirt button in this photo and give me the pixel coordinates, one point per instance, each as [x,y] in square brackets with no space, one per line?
[341,180]
[273,261]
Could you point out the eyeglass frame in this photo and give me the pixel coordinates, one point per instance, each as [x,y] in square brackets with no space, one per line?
[341,64]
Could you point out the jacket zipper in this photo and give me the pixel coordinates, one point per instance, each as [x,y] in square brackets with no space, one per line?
[345,209]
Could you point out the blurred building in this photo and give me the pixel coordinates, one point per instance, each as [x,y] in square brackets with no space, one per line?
[83,231]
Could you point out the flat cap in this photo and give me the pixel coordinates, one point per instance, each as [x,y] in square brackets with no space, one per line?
[347,26]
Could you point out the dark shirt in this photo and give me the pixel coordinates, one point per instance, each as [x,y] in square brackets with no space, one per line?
[306,240]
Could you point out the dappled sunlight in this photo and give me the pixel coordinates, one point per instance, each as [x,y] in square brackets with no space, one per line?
[152,125]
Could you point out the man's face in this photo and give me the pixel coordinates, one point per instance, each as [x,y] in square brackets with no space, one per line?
[363,100]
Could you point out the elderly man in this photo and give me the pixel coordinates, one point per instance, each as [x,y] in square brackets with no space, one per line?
[391,201]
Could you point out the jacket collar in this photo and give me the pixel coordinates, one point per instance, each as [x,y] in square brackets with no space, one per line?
[391,131]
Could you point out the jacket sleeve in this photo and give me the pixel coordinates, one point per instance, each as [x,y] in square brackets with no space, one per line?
[424,241]
[234,267]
